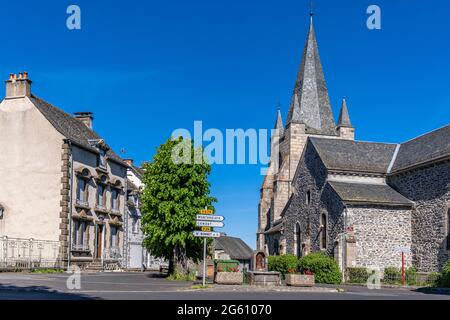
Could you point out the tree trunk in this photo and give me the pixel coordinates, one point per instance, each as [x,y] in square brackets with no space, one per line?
[180,261]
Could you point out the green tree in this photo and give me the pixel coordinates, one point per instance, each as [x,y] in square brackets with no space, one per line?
[176,187]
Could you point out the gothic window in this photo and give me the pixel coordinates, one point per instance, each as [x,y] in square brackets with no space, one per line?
[448,229]
[135,225]
[323,234]
[81,191]
[80,235]
[115,199]
[102,159]
[114,237]
[298,240]
[308,197]
[101,190]
[276,248]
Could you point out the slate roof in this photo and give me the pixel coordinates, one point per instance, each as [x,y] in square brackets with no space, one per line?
[310,103]
[236,248]
[428,147]
[344,118]
[70,127]
[354,156]
[368,193]
[277,226]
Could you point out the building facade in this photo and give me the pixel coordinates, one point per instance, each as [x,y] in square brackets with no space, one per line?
[363,203]
[60,181]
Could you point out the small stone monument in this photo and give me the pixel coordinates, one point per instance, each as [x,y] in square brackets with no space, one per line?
[259,262]
[260,275]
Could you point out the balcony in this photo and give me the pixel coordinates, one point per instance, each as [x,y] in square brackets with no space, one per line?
[83,204]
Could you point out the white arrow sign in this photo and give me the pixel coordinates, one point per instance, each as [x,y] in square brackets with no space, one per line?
[202,234]
[214,224]
[403,249]
[206,217]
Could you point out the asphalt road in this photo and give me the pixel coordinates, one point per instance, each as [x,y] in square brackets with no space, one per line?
[148,286]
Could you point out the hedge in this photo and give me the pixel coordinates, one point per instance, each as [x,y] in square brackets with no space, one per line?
[324,268]
[357,275]
[283,264]
[445,276]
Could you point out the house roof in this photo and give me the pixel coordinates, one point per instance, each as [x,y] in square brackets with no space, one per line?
[368,193]
[428,147]
[354,156]
[70,127]
[236,248]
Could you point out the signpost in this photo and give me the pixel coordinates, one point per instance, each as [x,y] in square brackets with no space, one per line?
[213,224]
[403,250]
[206,220]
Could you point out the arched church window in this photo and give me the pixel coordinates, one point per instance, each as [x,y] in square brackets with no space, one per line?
[448,229]
[308,197]
[276,247]
[323,226]
[298,240]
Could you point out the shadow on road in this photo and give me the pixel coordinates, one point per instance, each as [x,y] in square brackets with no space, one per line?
[9,292]
[434,291]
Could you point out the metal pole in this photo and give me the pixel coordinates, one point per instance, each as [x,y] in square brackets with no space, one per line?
[204,261]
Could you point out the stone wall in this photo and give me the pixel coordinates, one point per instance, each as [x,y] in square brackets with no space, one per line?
[311,177]
[379,233]
[429,188]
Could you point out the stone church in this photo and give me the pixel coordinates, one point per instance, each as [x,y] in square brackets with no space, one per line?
[364,203]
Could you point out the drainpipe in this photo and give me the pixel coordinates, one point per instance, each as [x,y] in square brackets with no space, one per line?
[70,205]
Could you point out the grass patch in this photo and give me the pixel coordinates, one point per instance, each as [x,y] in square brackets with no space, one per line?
[199,286]
[181,277]
[48,271]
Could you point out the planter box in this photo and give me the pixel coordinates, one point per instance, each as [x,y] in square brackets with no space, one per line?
[229,278]
[300,280]
[269,278]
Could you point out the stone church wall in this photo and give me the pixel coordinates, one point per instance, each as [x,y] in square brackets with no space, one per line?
[307,216]
[379,234]
[429,188]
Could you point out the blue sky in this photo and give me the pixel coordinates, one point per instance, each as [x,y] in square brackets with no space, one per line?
[146,68]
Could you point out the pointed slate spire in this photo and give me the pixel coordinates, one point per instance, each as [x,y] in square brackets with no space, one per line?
[310,103]
[279,122]
[344,118]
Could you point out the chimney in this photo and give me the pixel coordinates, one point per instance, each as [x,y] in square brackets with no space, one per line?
[18,86]
[86,117]
[128,161]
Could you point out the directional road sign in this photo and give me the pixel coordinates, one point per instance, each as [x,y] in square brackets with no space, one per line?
[214,224]
[202,234]
[206,211]
[205,217]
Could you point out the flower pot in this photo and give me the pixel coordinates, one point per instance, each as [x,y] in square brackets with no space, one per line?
[229,278]
[300,280]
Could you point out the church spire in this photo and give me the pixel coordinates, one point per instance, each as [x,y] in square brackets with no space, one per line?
[344,118]
[310,103]
[279,122]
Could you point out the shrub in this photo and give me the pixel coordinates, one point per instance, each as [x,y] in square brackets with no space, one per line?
[357,275]
[324,268]
[226,265]
[283,264]
[434,279]
[445,276]
[392,276]
[411,276]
